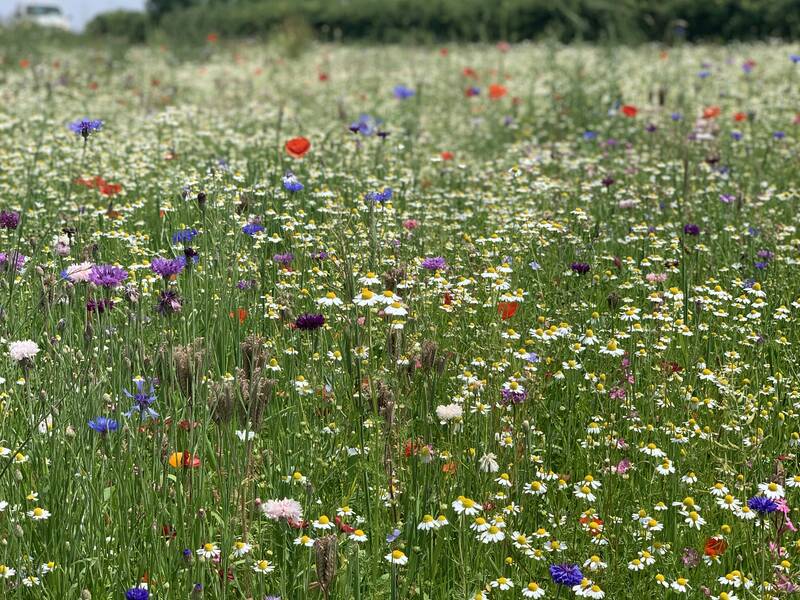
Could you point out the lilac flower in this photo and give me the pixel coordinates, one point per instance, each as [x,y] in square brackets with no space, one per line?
[167,267]
[393,536]
[245,284]
[727,198]
[9,219]
[107,276]
[14,257]
[309,321]
[434,263]
[778,135]
[85,127]
[676,116]
[566,574]
[534,265]
[517,396]
[736,135]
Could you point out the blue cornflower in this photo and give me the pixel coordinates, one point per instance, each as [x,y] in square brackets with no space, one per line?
[365,125]
[534,265]
[676,116]
[142,400]
[184,236]
[85,127]
[103,425]
[704,74]
[532,357]
[252,228]
[762,504]
[736,135]
[137,593]
[795,58]
[589,134]
[291,183]
[778,135]
[402,92]
[566,574]
[383,196]
[393,536]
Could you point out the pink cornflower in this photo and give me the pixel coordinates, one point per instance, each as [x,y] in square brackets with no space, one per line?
[287,509]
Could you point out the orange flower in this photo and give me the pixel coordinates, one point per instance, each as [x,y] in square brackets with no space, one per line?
[497,91]
[24,63]
[184,460]
[506,310]
[212,38]
[297,147]
[711,112]
[241,313]
[450,468]
[629,110]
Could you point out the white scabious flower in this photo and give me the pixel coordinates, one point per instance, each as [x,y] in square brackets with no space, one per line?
[23,350]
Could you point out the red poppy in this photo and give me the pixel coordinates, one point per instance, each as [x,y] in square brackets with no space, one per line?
[503,47]
[24,63]
[715,546]
[168,531]
[506,310]
[241,313]
[497,91]
[297,147]
[739,117]
[444,51]
[323,76]
[448,299]
[185,460]
[343,527]
[212,37]
[447,155]
[629,110]
[470,72]
[711,112]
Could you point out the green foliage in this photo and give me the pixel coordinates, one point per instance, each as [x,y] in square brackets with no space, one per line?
[128,25]
[628,21]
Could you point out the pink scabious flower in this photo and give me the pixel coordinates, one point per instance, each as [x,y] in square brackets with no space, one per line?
[656,277]
[287,509]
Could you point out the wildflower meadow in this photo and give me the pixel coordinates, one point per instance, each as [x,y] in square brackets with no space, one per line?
[469,322]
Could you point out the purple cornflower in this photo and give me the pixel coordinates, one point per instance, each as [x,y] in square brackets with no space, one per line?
[245,284]
[727,198]
[580,267]
[736,135]
[291,183]
[393,536]
[778,135]
[107,276]
[383,196]
[762,504]
[761,265]
[85,127]
[566,574]
[169,302]
[137,593]
[252,228]
[764,254]
[676,116]
[103,425]
[167,267]
[309,321]
[517,396]
[284,259]
[691,229]
[9,219]
[142,399]
[607,181]
[434,263]
[402,92]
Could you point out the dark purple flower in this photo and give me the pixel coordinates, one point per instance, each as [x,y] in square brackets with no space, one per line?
[580,267]
[99,306]
[167,267]
[566,574]
[691,229]
[107,276]
[169,302]
[309,321]
[434,263]
[762,504]
[85,127]
[607,181]
[9,219]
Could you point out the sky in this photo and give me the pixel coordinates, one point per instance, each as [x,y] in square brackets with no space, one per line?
[79,11]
